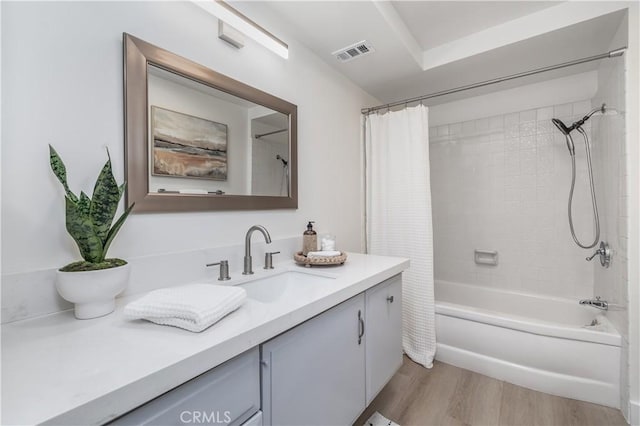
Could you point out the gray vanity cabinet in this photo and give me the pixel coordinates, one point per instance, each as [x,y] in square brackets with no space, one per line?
[384,334]
[313,374]
[328,369]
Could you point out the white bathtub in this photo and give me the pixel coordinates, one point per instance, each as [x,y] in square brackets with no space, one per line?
[532,341]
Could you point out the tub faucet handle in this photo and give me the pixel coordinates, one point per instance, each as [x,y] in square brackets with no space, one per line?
[590,258]
[605,254]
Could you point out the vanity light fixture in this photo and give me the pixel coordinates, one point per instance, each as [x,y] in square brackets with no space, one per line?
[229,34]
[223,11]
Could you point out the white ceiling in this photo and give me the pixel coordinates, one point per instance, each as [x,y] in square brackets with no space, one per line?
[433,23]
[277,120]
[508,37]
[574,42]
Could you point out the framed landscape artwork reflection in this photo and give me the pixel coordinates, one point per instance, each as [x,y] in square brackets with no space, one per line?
[187,146]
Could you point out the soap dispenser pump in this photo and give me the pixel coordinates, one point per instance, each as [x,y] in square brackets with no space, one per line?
[309,239]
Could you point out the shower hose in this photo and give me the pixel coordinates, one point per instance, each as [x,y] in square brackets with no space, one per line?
[593,195]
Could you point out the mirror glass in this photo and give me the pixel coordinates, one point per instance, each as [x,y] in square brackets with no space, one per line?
[204,140]
[198,140]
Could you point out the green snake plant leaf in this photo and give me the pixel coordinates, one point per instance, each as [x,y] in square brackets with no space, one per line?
[81,229]
[84,203]
[61,172]
[116,227]
[122,189]
[106,196]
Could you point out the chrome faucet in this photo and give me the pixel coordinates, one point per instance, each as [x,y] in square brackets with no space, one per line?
[248,270]
[599,304]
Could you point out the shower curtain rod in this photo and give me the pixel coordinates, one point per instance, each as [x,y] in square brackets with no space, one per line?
[611,54]
[257,136]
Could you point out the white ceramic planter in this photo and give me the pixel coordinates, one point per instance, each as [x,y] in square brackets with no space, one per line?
[93,293]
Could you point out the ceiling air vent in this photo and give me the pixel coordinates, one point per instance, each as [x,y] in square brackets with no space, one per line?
[354,51]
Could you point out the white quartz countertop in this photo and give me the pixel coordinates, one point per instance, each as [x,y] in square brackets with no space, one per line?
[59,370]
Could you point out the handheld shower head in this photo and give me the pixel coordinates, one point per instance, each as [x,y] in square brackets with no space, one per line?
[561,126]
[566,132]
[284,162]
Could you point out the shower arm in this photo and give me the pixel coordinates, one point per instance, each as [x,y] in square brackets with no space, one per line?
[578,124]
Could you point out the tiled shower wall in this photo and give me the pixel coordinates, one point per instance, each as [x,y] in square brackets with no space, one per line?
[611,176]
[501,183]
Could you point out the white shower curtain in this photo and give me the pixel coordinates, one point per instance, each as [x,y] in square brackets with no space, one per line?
[398,216]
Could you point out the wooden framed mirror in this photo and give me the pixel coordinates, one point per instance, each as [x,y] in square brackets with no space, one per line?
[197,140]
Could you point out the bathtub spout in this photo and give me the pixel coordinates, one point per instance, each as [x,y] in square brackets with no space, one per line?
[597,303]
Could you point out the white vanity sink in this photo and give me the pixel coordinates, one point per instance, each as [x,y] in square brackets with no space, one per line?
[289,285]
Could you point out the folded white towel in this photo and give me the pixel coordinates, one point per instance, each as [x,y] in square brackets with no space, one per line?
[324,253]
[193,307]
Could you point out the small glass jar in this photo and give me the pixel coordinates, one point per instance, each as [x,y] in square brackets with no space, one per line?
[328,242]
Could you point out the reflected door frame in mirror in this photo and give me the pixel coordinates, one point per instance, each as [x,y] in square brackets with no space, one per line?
[138,56]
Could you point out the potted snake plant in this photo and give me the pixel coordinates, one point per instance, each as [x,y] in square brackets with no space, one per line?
[93,283]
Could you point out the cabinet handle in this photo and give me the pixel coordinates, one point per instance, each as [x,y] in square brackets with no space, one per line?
[360,327]
[390,299]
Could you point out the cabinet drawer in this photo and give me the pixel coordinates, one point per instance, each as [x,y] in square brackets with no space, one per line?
[227,395]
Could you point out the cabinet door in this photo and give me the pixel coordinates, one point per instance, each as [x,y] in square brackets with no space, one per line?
[384,334]
[314,373]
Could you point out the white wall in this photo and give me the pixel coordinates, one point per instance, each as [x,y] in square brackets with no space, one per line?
[62,81]
[610,172]
[632,61]
[501,182]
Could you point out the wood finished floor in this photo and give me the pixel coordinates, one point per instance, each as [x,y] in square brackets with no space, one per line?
[450,396]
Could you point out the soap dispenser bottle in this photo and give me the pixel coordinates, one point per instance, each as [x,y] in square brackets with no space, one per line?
[309,239]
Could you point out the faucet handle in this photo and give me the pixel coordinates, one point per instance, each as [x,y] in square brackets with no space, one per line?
[224,269]
[605,254]
[590,258]
[268,259]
